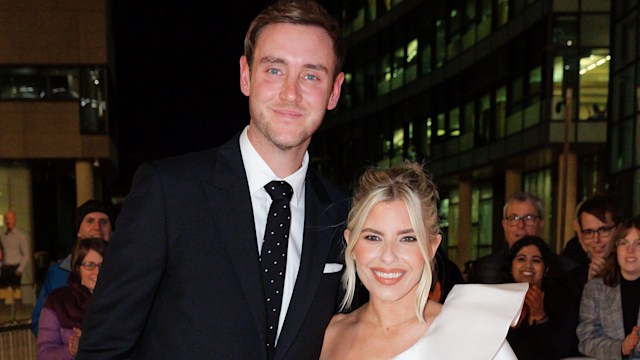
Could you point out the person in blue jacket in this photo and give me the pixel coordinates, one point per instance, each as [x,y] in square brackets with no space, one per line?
[92,220]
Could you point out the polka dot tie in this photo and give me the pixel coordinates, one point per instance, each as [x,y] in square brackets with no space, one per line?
[273,257]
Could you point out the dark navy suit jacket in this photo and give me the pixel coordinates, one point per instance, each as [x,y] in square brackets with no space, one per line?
[181,279]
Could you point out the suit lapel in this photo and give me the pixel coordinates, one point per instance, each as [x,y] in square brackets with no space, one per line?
[317,241]
[236,227]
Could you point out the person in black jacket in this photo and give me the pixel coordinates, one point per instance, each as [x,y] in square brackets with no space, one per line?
[547,327]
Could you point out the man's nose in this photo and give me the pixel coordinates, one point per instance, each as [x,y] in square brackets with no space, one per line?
[290,90]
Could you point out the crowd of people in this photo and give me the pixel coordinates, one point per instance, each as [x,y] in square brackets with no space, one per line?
[572,296]
[245,252]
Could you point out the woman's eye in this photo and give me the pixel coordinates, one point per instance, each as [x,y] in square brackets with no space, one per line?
[408,239]
[372,237]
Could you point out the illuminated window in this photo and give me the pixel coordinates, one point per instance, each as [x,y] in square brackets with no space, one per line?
[385,75]
[399,62]
[501,111]
[86,84]
[481,220]
[441,43]
[425,59]
[455,42]
[594,85]
[483,126]
[454,122]
[484,25]
[428,136]
[558,110]
[411,72]
[469,36]
[442,125]
[541,184]
[502,17]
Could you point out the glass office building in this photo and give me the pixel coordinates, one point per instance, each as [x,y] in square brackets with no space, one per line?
[624,128]
[495,96]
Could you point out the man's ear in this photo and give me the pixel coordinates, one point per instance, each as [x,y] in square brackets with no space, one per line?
[245,76]
[335,91]
[576,225]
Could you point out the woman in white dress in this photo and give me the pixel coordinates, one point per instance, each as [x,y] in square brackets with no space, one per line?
[392,234]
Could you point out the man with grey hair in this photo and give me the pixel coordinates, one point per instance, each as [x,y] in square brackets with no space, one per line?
[522,215]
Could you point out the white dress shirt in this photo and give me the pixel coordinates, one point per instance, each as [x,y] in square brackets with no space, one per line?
[260,174]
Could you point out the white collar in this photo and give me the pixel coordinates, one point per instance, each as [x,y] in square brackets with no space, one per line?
[259,173]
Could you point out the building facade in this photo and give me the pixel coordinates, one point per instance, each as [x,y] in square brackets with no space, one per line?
[495,96]
[55,149]
[624,128]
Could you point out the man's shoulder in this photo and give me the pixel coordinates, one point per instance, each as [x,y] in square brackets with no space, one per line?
[183,162]
[573,251]
[493,258]
[489,269]
[16,234]
[325,186]
[57,275]
[204,162]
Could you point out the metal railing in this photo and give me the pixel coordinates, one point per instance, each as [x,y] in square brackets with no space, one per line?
[17,342]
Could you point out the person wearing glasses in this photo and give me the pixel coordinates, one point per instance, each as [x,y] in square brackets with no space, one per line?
[61,319]
[597,217]
[93,219]
[522,216]
[609,316]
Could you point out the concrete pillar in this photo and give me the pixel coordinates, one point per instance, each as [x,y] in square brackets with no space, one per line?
[464,223]
[84,181]
[513,182]
[566,205]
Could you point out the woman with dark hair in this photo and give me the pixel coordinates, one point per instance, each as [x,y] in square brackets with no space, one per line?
[60,323]
[547,326]
[609,316]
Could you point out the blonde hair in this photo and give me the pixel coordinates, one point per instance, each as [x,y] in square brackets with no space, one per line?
[407,183]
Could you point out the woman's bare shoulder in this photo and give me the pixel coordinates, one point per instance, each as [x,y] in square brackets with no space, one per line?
[338,333]
[340,321]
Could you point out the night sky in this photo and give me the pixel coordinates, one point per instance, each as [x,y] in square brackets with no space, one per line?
[176,77]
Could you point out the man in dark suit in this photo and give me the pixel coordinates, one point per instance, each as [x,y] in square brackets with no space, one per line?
[184,278]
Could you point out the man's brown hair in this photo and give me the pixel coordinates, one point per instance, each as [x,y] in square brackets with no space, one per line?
[297,12]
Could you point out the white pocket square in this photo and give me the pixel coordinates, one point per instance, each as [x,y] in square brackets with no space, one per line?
[330,268]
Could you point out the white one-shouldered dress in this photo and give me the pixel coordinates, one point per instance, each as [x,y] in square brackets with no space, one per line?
[472,324]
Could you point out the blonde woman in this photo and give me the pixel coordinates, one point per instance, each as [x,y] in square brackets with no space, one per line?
[392,234]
